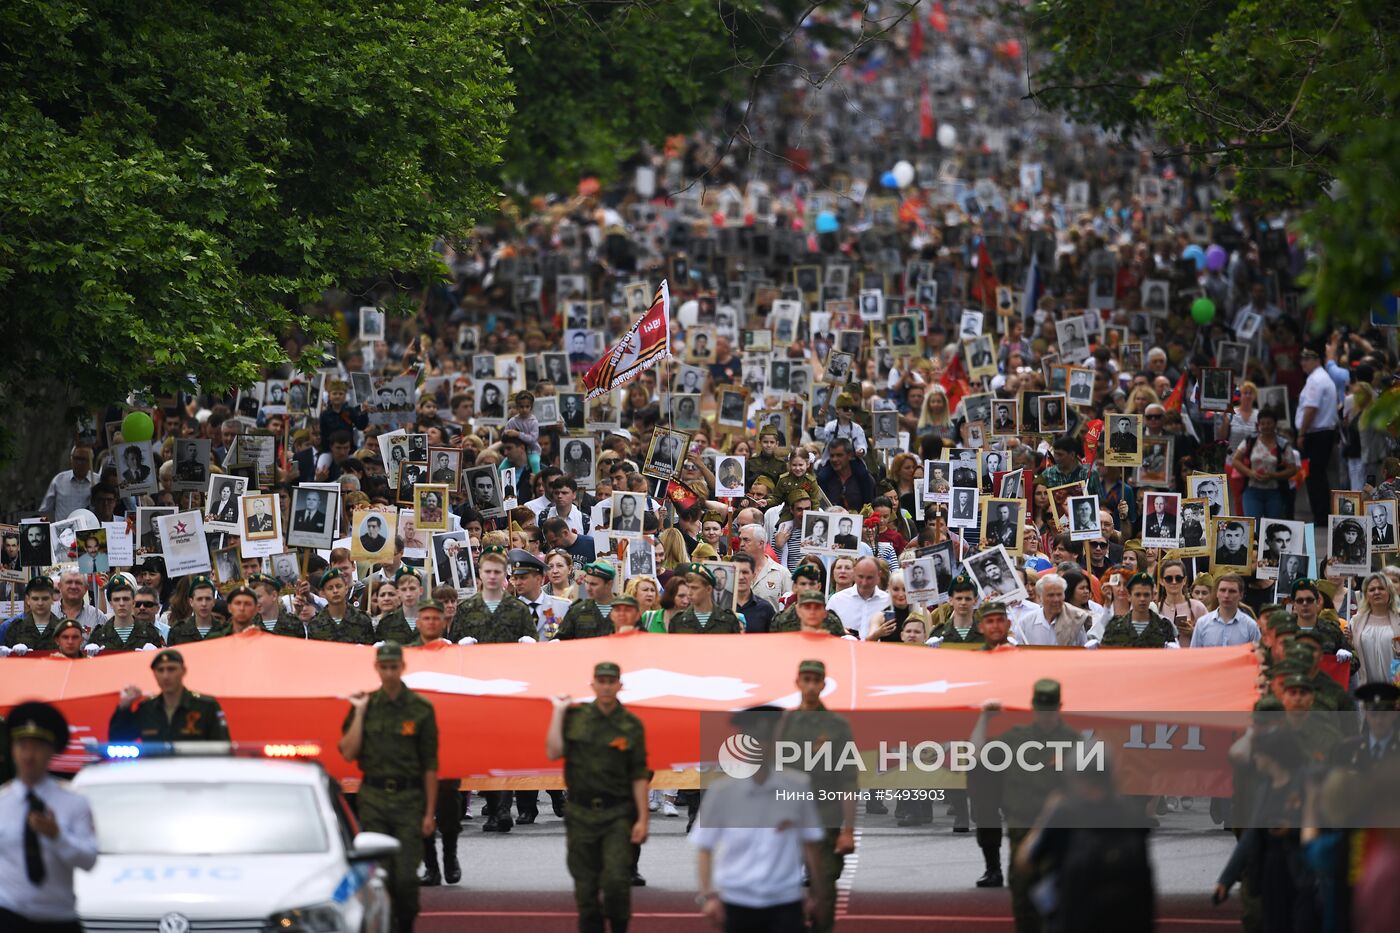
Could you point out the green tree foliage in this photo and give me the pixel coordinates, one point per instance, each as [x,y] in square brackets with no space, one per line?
[179,179]
[1294,100]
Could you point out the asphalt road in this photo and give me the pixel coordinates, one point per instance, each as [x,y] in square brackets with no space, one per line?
[910,879]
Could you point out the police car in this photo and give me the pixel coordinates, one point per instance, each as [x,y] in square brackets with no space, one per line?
[193,842]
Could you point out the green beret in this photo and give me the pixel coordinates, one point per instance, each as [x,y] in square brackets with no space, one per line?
[118,583]
[600,568]
[961,582]
[811,666]
[333,573]
[389,651]
[167,654]
[272,581]
[811,596]
[810,571]
[65,625]
[200,582]
[407,572]
[1141,579]
[606,669]
[1046,694]
[701,571]
[625,601]
[1302,583]
[241,591]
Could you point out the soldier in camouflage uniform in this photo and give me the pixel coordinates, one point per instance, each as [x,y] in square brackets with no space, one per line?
[605,769]
[272,615]
[338,620]
[392,735]
[493,616]
[25,633]
[703,616]
[121,596]
[1307,610]
[200,624]
[432,626]
[588,618]
[242,605]
[767,463]
[807,577]
[812,724]
[173,715]
[959,623]
[395,625]
[1140,627]
[1020,793]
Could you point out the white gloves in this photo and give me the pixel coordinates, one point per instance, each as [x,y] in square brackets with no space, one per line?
[378,643]
[1172,644]
[525,640]
[935,641]
[1091,644]
[467,641]
[147,647]
[21,649]
[4,652]
[850,638]
[91,650]
[553,641]
[1343,655]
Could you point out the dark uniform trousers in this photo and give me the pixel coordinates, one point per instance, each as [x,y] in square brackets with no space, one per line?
[397,810]
[600,854]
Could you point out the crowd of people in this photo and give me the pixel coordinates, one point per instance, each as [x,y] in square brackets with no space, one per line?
[1022,367]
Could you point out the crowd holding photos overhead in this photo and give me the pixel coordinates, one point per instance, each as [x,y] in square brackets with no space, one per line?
[990,382]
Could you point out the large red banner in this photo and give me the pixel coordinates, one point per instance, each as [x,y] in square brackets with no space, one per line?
[492,701]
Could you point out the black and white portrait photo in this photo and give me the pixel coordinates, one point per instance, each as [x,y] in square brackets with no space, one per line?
[981,360]
[816,531]
[313,518]
[259,517]
[556,370]
[1159,519]
[576,459]
[1155,296]
[1084,518]
[1080,387]
[904,335]
[666,453]
[1006,417]
[191,464]
[799,381]
[970,324]
[937,486]
[136,471]
[1349,543]
[448,548]
[571,410]
[483,486]
[491,401]
[1052,414]
[885,425]
[547,410]
[1233,356]
[838,367]
[733,407]
[729,477]
[221,503]
[1212,488]
[627,511]
[995,575]
[1234,539]
[1003,523]
[641,560]
[1124,447]
[1382,515]
[779,373]
[371,324]
[1012,485]
[1074,345]
[1291,568]
[443,464]
[963,513]
[1215,389]
[1195,541]
[483,365]
[871,305]
[1278,539]
[690,380]
[35,548]
[373,536]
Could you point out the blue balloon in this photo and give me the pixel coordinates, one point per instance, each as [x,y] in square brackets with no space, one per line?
[827,222]
[887,180]
[1195,253]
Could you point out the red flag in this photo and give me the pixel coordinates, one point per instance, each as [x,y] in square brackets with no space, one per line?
[925,113]
[647,343]
[1173,402]
[954,381]
[916,37]
[984,280]
[1092,432]
[938,19]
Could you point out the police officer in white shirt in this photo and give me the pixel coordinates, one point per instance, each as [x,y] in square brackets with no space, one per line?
[46,831]
[527,581]
[1316,422]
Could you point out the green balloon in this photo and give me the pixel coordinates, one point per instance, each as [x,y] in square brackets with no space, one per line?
[137,426]
[1203,310]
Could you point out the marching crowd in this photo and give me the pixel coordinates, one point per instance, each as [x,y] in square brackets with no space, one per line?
[1030,391]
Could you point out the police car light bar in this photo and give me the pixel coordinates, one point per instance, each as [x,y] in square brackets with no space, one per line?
[126,751]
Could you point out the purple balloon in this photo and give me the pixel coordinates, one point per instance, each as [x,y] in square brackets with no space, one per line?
[1216,257]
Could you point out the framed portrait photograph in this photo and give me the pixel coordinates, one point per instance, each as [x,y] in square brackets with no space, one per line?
[1084,518]
[981,360]
[964,464]
[1012,485]
[1217,386]
[733,407]
[577,458]
[228,566]
[994,462]
[690,380]
[1276,397]
[1030,412]
[136,469]
[313,519]
[1345,502]
[444,466]
[1196,538]
[1003,523]
[1124,446]
[260,517]
[1234,356]
[602,413]
[1382,513]
[962,510]
[491,403]
[779,374]
[1161,518]
[1053,416]
[936,483]
[1073,340]
[1156,296]
[547,411]
[1349,544]
[628,509]
[430,506]
[640,560]
[1060,496]
[816,532]
[275,397]
[372,533]
[371,324]
[555,370]
[1056,376]
[1131,355]
[871,304]
[839,365]
[483,487]
[1278,540]
[995,575]
[976,434]
[799,381]
[411,473]
[970,324]
[977,407]
[484,365]
[757,341]
[903,335]
[1213,488]
[191,464]
[571,410]
[1247,324]
[1233,545]
[1156,468]
[665,454]
[584,348]
[729,476]
[1006,417]
[685,412]
[1079,388]
[725,591]
[452,560]
[221,503]
[147,539]
[700,345]
[35,544]
[885,433]
[783,321]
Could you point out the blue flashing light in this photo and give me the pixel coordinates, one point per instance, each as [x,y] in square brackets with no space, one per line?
[123,751]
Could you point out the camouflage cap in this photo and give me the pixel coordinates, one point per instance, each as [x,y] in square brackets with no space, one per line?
[389,651]
[811,666]
[606,669]
[990,609]
[625,601]
[811,596]
[167,654]
[65,625]
[430,603]
[768,431]
[1301,681]
[1046,694]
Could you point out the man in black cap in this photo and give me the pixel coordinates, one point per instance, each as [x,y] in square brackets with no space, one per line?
[527,580]
[392,735]
[605,770]
[1378,742]
[57,836]
[1019,792]
[173,715]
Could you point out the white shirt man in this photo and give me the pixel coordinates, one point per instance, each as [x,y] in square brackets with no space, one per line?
[1226,624]
[1320,395]
[770,578]
[856,604]
[1055,622]
[71,489]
